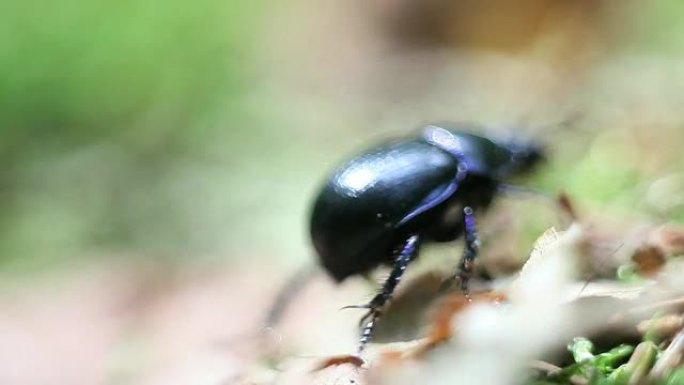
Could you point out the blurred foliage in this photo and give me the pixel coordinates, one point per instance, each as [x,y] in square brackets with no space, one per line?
[102,102]
[621,365]
[176,129]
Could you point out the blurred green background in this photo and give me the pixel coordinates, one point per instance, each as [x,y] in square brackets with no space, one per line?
[197,132]
[124,127]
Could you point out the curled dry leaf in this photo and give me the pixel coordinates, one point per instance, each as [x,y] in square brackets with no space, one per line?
[440,325]
[553,255]
[446,308]
[539,252]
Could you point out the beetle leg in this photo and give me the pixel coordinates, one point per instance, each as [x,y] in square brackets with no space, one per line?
[472,246]
[286,294]
[401,261]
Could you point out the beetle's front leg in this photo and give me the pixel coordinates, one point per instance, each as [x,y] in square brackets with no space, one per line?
[470,251]
[401,262]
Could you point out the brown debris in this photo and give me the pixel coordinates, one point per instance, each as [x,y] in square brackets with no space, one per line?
[440,324]
[339,360]
[567,206]
[340,374]
[648,260]
[440,330]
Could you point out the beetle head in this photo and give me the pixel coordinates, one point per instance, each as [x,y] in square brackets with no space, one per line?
[525,156]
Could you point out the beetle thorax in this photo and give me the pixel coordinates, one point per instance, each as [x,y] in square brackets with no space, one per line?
[445,222]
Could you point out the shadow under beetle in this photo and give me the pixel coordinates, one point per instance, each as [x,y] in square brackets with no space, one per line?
[381,205]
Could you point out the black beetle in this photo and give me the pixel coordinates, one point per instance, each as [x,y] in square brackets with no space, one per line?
[378,207]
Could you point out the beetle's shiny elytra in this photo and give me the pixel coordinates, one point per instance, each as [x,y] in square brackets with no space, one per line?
[381,205]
